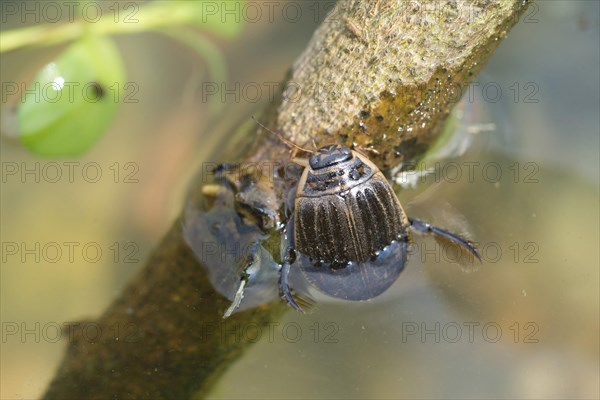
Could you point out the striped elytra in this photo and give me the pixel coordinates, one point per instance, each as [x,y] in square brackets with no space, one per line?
[345,209]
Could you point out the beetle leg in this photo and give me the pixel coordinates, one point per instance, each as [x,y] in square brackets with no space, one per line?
[300,161]
[423,228]
[284,287]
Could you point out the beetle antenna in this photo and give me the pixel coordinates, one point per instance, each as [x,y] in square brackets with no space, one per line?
[284,140]
[363,150]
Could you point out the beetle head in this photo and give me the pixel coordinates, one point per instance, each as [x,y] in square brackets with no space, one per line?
[330,155]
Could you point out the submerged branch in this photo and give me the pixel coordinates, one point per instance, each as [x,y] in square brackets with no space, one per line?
[383,74]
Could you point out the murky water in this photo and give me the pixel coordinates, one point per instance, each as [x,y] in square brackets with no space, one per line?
[523,325]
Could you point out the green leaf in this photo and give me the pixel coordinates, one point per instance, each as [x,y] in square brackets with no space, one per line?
[72,100]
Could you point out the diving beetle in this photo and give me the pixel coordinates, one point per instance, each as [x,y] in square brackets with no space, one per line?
[348,234]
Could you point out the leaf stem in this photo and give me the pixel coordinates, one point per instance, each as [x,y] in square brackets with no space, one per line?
[153,16]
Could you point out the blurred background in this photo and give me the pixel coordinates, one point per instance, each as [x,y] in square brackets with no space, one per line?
[525,324]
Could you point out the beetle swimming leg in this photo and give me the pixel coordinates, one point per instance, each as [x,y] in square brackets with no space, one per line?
[423,228]
[284,287]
